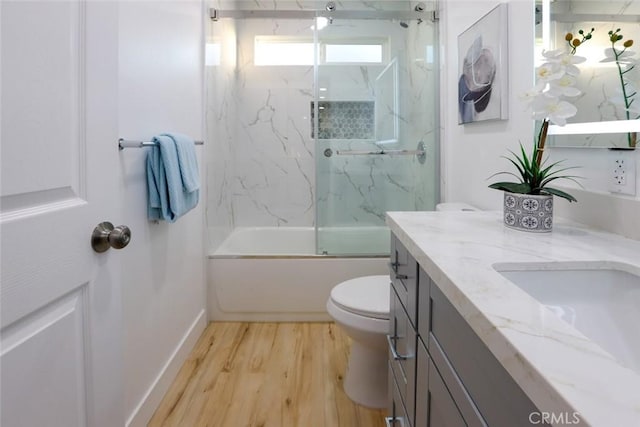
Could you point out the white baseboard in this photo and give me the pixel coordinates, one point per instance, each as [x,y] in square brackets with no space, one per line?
[147,406]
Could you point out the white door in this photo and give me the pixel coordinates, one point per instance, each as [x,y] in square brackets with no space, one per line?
[60,319]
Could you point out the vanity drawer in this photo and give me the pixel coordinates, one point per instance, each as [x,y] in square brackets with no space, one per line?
[452,342]
[456,389]
[404,277]
[402,353]
[397,412]
[442,408]
[441,400]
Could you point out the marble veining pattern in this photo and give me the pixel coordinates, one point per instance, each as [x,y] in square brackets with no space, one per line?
[559,368]
[264,167]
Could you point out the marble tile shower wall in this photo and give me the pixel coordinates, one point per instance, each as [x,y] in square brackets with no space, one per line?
[269,139]
[261,152]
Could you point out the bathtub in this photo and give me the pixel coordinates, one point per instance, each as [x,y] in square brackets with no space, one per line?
[273,274]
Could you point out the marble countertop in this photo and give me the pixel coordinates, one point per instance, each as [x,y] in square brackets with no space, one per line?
[560,369]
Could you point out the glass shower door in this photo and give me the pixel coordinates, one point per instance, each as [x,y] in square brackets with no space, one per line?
[375,127]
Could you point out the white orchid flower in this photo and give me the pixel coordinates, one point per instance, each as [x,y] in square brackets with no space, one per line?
[552,108]
[568,58]
[564,86]
[548,71]
[565,60]
[552,55]
[529,96]
[568,61]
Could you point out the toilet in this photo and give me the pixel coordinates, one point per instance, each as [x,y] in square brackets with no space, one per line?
[361,307]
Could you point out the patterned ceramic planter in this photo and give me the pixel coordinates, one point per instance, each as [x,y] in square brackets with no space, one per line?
[528,212]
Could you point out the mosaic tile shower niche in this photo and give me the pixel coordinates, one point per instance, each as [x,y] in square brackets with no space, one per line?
[344,120]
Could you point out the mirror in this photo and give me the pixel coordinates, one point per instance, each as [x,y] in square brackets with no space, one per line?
[602,119]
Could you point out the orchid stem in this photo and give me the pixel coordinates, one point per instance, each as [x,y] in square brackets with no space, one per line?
[631,138]
[542,138]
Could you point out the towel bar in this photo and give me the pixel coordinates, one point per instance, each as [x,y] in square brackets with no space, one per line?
[123,143]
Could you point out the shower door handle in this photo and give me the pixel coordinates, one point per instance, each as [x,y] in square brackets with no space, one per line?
[420,152]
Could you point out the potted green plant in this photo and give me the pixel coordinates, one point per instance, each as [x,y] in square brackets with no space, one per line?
[528,203]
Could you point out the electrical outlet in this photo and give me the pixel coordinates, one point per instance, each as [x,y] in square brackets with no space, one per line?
[622,169]
[619,172]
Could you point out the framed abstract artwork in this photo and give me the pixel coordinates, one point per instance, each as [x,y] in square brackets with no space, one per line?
[483,69]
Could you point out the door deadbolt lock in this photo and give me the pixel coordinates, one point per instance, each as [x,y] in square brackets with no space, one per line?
[106,236]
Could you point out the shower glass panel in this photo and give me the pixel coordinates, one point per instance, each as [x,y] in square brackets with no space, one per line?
[374,113]
[261,171]
[314,118]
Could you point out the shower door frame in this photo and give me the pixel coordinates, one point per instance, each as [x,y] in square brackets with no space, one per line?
[311,15]
[407,150]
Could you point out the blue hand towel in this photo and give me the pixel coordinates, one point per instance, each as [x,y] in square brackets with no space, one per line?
[173,180]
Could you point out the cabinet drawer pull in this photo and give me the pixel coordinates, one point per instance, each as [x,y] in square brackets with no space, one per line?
[394,267]
[390,421]
[392,347]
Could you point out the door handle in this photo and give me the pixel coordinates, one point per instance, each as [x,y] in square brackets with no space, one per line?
[106,236]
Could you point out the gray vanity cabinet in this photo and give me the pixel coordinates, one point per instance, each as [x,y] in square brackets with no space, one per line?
[402,335]
[440,372]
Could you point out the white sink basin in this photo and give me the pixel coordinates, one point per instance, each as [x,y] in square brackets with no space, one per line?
[602,302]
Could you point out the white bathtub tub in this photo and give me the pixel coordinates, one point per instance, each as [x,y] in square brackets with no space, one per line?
[273,274]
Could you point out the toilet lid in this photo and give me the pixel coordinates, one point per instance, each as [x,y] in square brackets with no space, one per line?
[367,296]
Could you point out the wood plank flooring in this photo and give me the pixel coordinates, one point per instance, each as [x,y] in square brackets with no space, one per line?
[265,375]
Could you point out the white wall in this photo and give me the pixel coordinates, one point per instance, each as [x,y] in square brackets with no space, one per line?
[596,205]
[471,153]
[161,89]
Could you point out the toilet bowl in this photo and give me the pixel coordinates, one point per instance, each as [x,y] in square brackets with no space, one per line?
[360,307]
